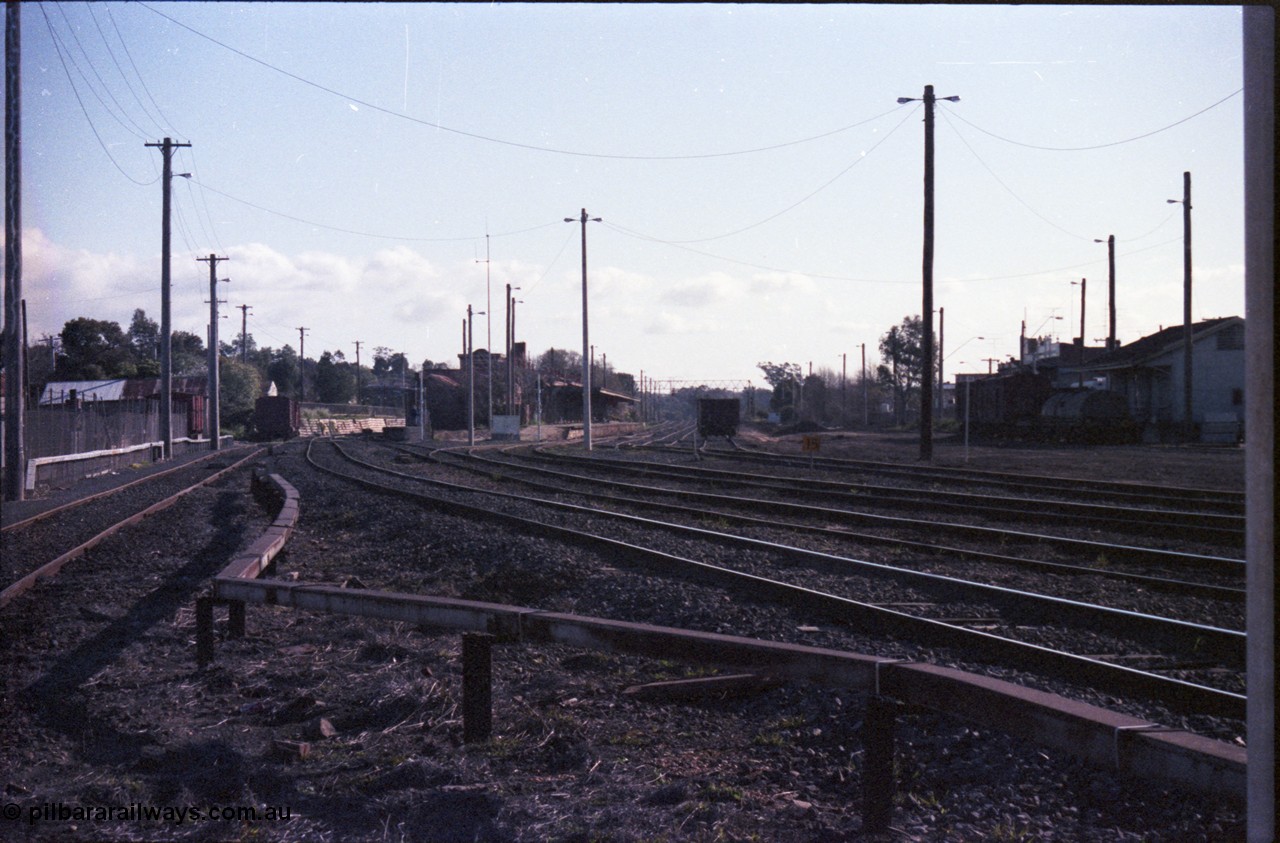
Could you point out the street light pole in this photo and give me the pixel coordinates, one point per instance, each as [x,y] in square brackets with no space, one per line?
[1186,301]
[586,340]
[926,306]
[1080,356]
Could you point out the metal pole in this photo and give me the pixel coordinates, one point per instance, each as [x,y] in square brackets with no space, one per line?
[14,352]
[488,318]
[1186,304]
[967,393]
[358,343]
[1259,33]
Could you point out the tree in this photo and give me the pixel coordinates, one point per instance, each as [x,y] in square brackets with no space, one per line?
[282,370]
[93,349]
[902,347]
[144,337]
[785,380]
[335,382]
[187,353]
[561,363]
[240,387]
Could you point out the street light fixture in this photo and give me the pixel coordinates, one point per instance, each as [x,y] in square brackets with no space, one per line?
[586,342]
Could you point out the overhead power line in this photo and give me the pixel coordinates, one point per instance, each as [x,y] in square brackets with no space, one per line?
[58,48]
[489,139]
[1101,145]
[364,233]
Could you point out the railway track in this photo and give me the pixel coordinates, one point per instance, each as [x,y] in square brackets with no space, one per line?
[1216,527]
[1061,487]
[39,547]
[1090,554]
[819,521]
[824,583]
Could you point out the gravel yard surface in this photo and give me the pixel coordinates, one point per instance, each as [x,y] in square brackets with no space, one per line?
[104,707]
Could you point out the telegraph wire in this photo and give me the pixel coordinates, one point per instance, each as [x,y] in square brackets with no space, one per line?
[489,139]
[58,49]
[547,271]
[1101,145]
[639,236]
[163,117]
[365,233]
[123,76]
[862,157]
[1008,189]
[141,133]
[1177,239]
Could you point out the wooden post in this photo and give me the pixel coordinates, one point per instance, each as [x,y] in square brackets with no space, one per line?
[877,770]
[477,687]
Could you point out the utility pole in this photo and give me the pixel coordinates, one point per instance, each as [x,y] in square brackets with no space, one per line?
[166,360]
[866,422]
[488,316]
[214,385]
[1111,289]
[507,325]
[302,364]
[358,344]
[942,313]
[244,331]
[1186,302]
[989,361]
[1080,359]
[926,307]
[586,343]
[15,459]
[844,391]
[471,383]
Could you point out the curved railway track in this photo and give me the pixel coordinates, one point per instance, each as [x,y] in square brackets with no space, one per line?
[651,497]
[39,547]
[759,571]
[1230,569]
[1218,527]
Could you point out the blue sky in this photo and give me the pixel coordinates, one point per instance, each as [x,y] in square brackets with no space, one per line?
[759,185]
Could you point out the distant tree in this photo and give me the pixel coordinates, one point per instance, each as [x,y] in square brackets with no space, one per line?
[335,381]
[93,349]
[144,337]
[902,347]
[187,352]
[240,387]
[561,363]
[282,370]
[785,380]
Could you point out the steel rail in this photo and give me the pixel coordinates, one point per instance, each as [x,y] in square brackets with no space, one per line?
[1222,526]
[1229,642]
[1163,583]
[1233,502]
[51,568]
[26,522]
[1112,678]
[1221,564]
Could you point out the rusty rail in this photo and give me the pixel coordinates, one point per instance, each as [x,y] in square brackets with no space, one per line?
[1108,739]
[50,569]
